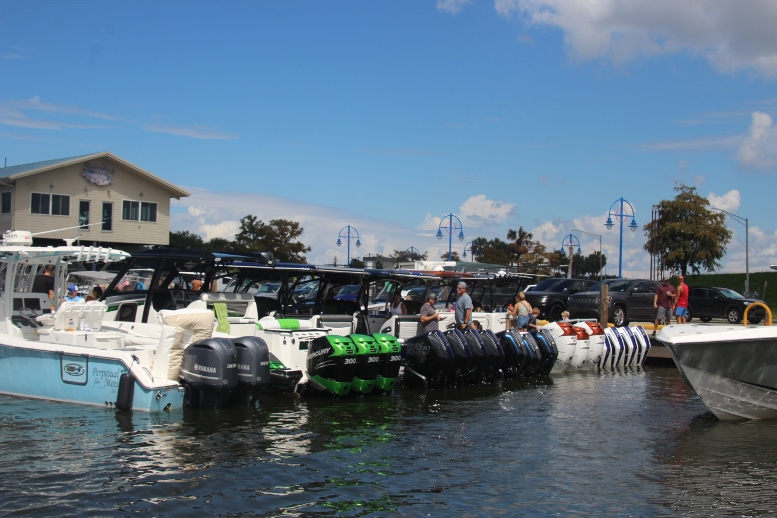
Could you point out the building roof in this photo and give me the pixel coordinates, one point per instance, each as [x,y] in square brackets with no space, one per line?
[15,172]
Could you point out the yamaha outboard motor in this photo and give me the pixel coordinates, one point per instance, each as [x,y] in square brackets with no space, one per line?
[428,360]
[462,357]
[209,372]
[517,356]
[253,369]
[368,355]
[331,364]
[390,360]
[547,347]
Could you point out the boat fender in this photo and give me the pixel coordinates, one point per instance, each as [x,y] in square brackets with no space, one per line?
[126,391]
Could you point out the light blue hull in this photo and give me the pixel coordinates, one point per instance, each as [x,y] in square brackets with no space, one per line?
[78,378]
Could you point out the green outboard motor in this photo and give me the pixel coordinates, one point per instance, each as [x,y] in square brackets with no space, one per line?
[368,353]
[390,361]
[331,365]
[209,373]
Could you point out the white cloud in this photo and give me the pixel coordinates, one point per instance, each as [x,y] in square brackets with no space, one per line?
[729,201]
[730,35]
[479,211]
[452,6]
[757,149]
[198,132]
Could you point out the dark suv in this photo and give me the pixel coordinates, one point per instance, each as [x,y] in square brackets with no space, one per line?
[708,303]
[550,295]
[628,299]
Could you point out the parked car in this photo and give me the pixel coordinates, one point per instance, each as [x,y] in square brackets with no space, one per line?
[708,303]
[628,299]
[550,295]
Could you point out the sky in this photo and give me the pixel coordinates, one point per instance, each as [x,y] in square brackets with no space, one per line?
[391,116]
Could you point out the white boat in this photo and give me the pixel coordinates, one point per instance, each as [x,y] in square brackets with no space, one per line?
[733,369]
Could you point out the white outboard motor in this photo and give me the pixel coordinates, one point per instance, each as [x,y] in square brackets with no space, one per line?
[596,341]
[566,342]
[617,348]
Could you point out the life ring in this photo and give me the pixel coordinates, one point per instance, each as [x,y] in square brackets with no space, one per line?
[768,320]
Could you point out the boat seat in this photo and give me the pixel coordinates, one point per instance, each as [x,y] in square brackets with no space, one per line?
[91,313]
[341,325]
[269,323]
[241,304]
[404,326]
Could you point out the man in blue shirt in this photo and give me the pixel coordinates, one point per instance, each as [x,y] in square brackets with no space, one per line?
[72,294]
[463,307]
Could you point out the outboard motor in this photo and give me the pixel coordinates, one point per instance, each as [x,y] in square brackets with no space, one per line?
[566,343]
[534,365]
[547,346]
[282,378]
[209,372]
[332,363]
[477,367]
[643,337]
[617,348]
[253,369]
[463,357]
[596,341]
[517,357]
[428,360]
[495,351]
[368,355]
[390,352]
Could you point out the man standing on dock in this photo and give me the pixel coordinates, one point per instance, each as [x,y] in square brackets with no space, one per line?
[681,301]
[663,302]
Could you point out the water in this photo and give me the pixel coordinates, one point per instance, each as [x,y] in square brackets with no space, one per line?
[614,444]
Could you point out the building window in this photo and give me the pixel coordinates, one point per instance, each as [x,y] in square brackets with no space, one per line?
[138,211]
[83,214]
[107,217]
[6,203]
[54,204]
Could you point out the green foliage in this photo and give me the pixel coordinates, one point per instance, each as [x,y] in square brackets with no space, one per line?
[401,256]
[278,237]
[494,251]
[219,244]
[454,256]
[687,234]
[185,239]
[521,243]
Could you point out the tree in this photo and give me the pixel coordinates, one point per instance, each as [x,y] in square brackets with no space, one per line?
[687,234]
[278,237]
[219,244]
[494,251]
[401,256]
[185,239]
[520,243]
[454,256]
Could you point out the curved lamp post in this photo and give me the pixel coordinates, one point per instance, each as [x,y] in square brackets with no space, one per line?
[601,267]
[474,250]
[351,233]
[450,229]
[621,209]
[569,241]
[743,221]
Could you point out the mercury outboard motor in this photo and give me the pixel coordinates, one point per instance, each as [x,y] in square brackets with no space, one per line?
[209,372]
[462,357]
[253,369]
[368,355]
[332,363]
[428,360]
[390,360]
[547,346]
[517,357]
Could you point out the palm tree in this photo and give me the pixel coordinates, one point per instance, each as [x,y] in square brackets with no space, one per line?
[520,241]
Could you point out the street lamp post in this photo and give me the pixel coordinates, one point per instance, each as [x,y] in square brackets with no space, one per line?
[412,253]
[450,229]
[601,267]
[744,222]
[569,241]
[351,233]
[621,214]
[474,250]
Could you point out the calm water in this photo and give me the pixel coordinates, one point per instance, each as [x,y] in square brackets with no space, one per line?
[635,443]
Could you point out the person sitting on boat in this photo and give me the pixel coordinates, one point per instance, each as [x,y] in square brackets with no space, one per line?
[72,294]
[398,306]
[97,291]
[196,284]
[532,325]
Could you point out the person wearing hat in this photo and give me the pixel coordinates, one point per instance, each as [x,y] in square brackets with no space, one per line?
[463,311]
[72,294]
[430,317]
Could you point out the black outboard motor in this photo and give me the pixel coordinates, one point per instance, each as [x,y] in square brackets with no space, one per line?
[282,378]
[428,361]
[462,357]
[496,355]
[209,373]
[491,359]
[547,346]
[479,354]
[535,357]
[253,369]
[332,363]
[517,356]
[390,361]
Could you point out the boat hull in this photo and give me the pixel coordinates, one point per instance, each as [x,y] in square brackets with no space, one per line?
[732,369]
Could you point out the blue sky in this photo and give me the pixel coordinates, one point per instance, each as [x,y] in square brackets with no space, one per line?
[390,115]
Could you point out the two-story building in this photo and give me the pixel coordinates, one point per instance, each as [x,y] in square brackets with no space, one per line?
[100,199]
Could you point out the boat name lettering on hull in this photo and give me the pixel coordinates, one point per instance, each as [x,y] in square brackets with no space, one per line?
[106,378]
